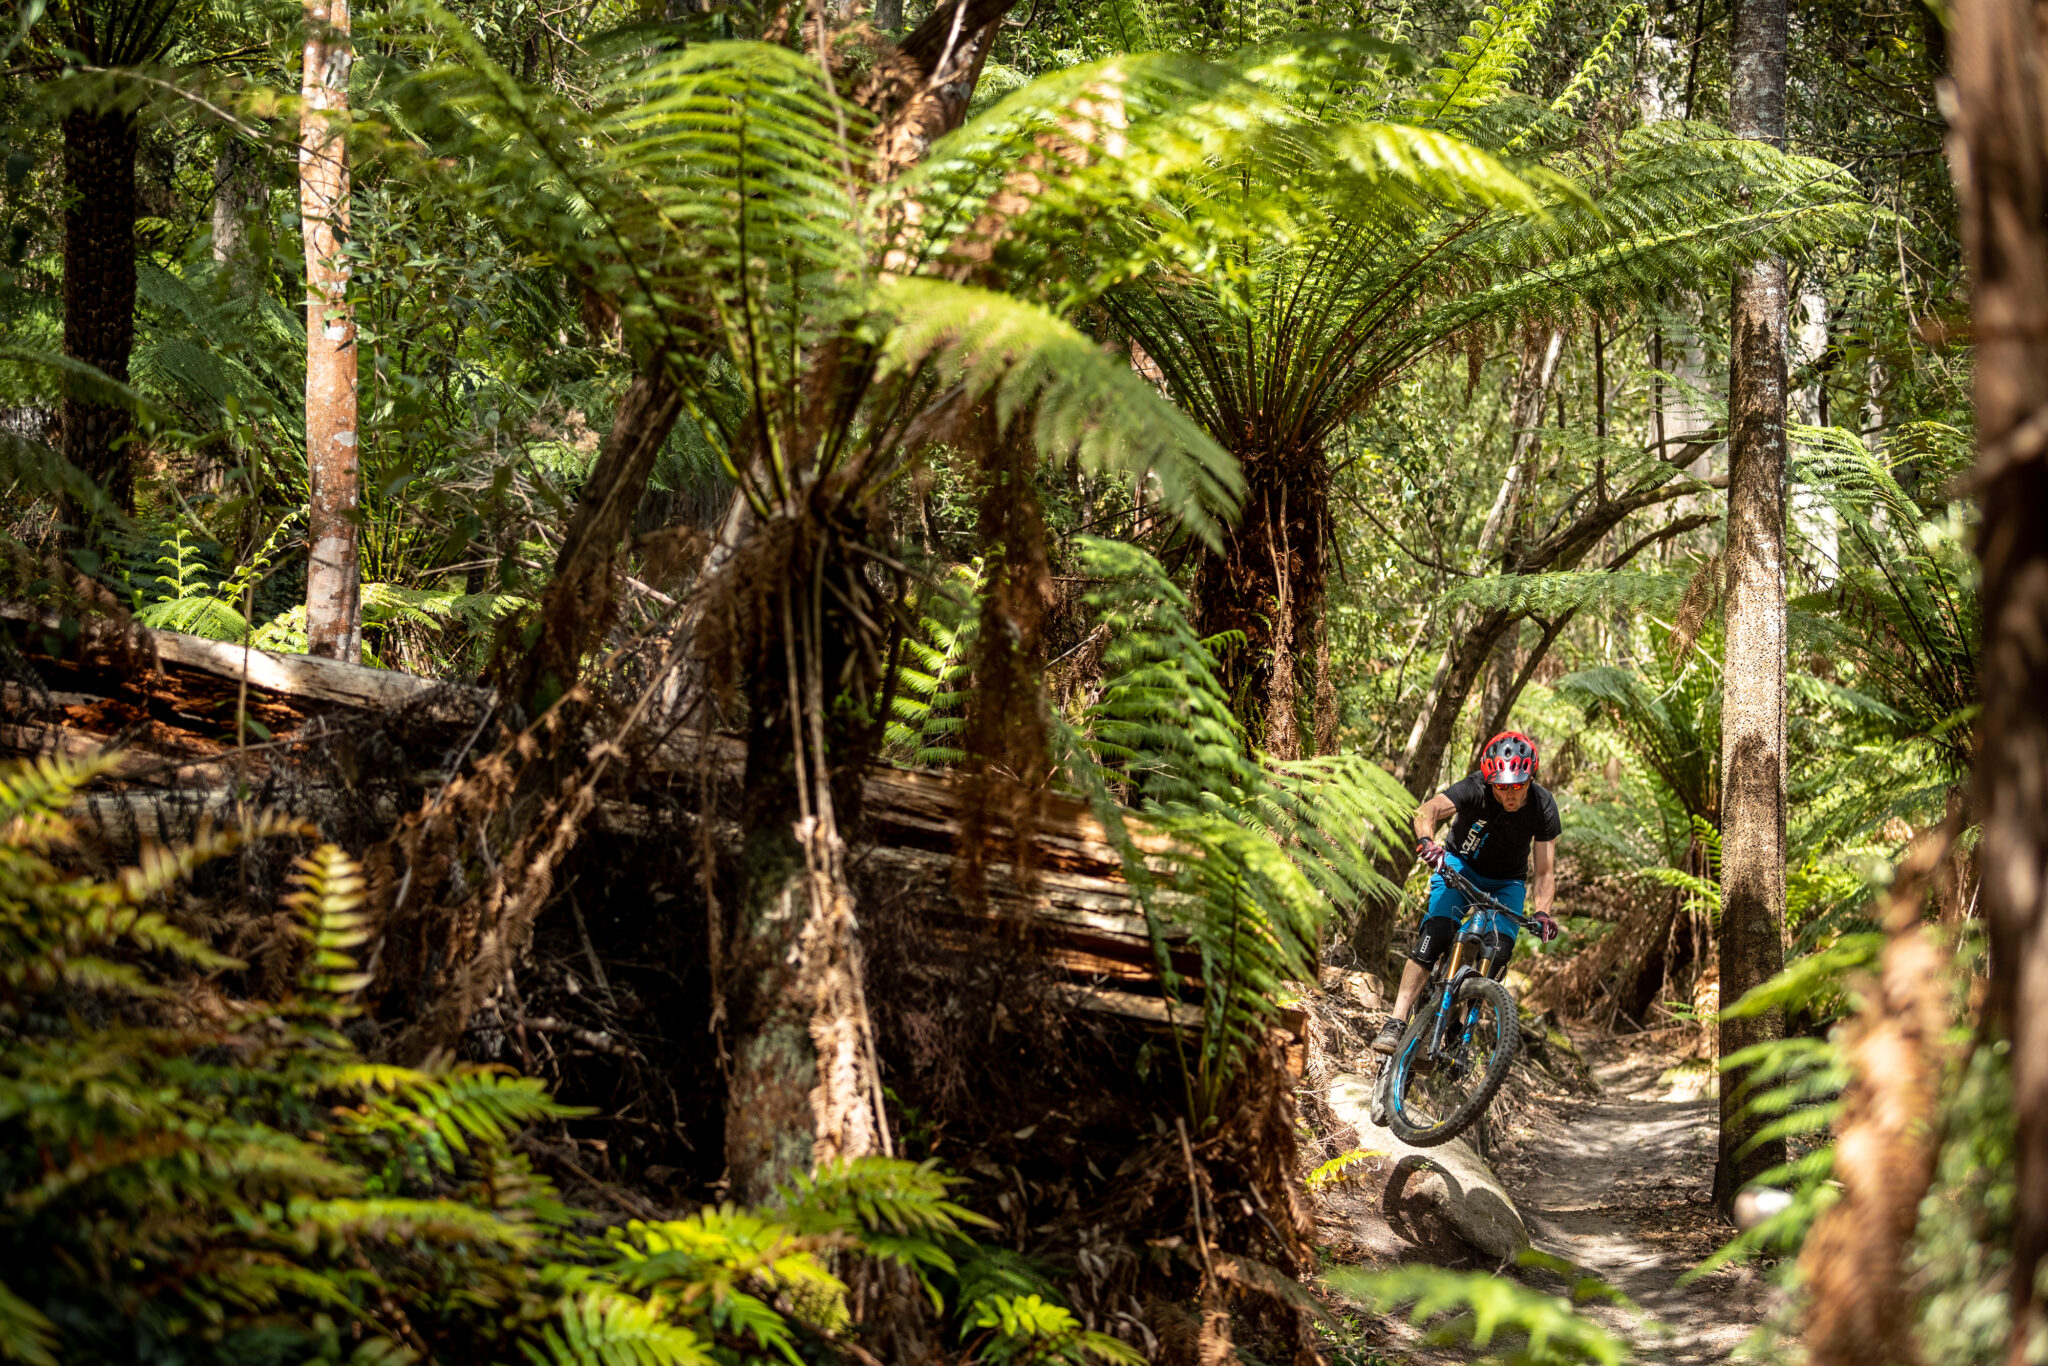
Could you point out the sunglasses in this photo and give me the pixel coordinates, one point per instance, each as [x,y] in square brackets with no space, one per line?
[1509,787]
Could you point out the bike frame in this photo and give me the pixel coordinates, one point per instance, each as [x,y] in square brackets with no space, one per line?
[1479,903]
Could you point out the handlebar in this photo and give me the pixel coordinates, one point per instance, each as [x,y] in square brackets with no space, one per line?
[1453,878]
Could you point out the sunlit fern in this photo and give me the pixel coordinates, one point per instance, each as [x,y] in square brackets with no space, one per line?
[1484,1310]
[929,698]
[1355,245]
[1275,851]
[665,194]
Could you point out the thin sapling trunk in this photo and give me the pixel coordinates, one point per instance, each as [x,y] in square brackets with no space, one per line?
[334,624]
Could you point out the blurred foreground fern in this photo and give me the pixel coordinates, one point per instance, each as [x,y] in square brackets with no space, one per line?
[193,1178]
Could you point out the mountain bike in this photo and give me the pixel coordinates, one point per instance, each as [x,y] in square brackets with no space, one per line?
[1461,1039]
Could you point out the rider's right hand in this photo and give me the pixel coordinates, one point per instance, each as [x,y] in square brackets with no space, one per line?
[1431,853]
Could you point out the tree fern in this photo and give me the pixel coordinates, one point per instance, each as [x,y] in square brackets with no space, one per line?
[1273,851]
[1083,401]
[1668,713]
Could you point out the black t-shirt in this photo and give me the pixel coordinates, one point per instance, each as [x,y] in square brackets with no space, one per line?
[1493,841]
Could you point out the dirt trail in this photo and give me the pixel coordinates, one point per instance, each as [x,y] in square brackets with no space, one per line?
[1622,1186]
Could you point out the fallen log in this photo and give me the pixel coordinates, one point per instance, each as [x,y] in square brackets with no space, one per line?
[205,729]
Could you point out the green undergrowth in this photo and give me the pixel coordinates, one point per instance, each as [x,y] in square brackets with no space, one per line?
[1493,1317]
[185,1177]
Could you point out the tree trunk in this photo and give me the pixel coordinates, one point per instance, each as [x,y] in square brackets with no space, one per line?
[1268,582]
[2001,59]
[99,300]
[1501,666]
[580,601]
[334,615]
[940,61]
[803,1087]
[1888,1137]
[241,191]
[1753,698]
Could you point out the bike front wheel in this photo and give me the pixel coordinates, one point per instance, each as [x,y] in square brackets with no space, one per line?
[1432,1098]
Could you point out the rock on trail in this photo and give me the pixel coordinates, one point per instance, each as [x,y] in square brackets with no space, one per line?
[1452,1177]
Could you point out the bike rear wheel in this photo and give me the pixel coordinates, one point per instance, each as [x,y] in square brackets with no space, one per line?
[1433,1100]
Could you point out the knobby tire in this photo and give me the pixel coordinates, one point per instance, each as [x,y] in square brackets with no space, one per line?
[1496,1071]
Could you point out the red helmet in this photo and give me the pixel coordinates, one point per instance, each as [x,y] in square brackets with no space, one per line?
[1509,757]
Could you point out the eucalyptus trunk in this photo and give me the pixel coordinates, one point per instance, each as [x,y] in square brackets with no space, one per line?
[2002,175]
[1751,943]
[334,618]
[241,199]
[99,300]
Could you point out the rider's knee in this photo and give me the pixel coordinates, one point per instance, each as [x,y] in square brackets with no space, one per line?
[1496,949]
[1438,934]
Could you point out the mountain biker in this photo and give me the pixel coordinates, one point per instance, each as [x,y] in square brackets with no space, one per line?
[1500,811]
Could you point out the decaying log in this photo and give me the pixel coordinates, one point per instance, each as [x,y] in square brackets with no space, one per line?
[204,728]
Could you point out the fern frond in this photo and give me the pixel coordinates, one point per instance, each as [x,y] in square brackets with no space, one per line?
[204,616]
[26,1333]
[608,1328]
[1484,62]
[1084,402]
[161,868]
[1606,55]
[397,1220]
[35,792]
[1485,1306]
[328,897]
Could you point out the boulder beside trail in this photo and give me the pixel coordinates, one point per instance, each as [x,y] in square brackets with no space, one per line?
[1451,1180]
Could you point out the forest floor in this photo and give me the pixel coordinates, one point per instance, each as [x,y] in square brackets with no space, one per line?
[1621,1185]
[1607,1150]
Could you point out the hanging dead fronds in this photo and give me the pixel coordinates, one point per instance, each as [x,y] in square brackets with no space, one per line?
[1006,733]
[1858,1310]
[1702,599]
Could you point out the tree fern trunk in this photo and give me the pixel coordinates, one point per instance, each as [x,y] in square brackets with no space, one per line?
[2000,57]
[1273,557]
[99,296]
[334,628]
[802,1089]
[1753,698]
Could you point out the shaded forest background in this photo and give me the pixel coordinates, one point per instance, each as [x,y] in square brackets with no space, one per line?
[903,519]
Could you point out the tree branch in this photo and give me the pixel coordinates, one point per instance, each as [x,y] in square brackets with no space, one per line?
[1386,531]
[1498,722]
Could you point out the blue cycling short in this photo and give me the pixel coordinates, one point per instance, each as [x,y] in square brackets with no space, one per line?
[1446,902]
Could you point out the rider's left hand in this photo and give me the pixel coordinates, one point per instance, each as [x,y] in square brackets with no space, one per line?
[1546,928]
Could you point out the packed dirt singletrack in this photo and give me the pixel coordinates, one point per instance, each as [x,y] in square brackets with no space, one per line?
[1621,1186]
